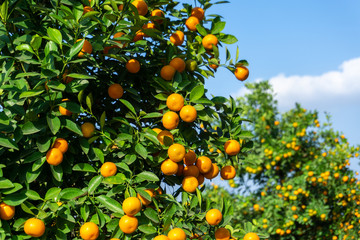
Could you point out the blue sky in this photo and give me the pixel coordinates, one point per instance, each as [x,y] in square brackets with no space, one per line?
[309,50]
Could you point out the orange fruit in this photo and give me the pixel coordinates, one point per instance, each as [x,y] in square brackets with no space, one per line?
[141,6]
[161,237]
[198,12]
[214,171]
[118,35]
[222,234]
[191,23]
[213,216]
[170,120]
[128,224]
[158,13]
[143,200]
[34,227]
[115,91]
[169,167]
[180,170]
[176,234]
[209,40]
[133,66]
[108,169]
[121,7]
[7,212]
[86,48]
[54,156]
[190,183]
[65,78]
[89,231]
[131,206]
[191,170]
[232,147]
[87,129]
[175,102]
[241,73]
[176,152]
[87,9]
[188,113]
[178,63]
[201,179]
[149,26]
[61,144]
[165,137]
[63,111]
[228,172]
[190,158]
[177,38]
[204,164]
[251,236]
[139,36]
[167,72]
[345,178]
[157,130]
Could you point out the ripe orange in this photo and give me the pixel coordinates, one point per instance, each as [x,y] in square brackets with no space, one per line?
[143,200]
[6,212]
[141,6]
[165,137]
[34,227]
[176,234]
[188,113]
[241,73]
[213,216]
[128,224]
[214,66]
[115,91]
[228,172]
[158,13]
[190,183]
[198,12]
[178,63]
[63,111]
[201,179]
[180,170]
[191,23]
[345,178]
[108,169]
[170,120]
[175,102]
[209,40]
[190,158]
[131,206]
[214,171]
[176,152]
[86,48]
[251,236]
[87,129]
[222,234]
[191,170]
[167,72]
[169,167]
[232,147]
[204,164]
[87,9]
[65,78]
[161,237]
[89,231]
[133,66]
[54,156]
[61,144]
[139,36]
[177,38]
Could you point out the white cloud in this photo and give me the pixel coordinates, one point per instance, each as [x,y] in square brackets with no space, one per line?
[323,92]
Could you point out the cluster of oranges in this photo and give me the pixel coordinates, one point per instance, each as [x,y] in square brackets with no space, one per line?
[55,155]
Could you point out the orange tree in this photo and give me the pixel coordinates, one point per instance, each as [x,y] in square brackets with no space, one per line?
[297,182]
[91,141]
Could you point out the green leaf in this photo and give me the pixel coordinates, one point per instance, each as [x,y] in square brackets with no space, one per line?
[69,124]
[8,143]
[141,150]
[228,39]
[32,127]
[153,115]
[5,183]
[15,199]
[17,187]
[99,154]
[25,47]
[117,179]
[53,123]
[147,229]
[84,167]
[94,183]
[152,215]
[110,203]
[75,49]
[80,76]
[52,193]
[148,176]
[68,194]
[36,42]
[218,27]
[197,92]
[128,105]
[32,195]
[102,120]
[57,172]
[246,134]
[89,100]
[31,93]
[55,35]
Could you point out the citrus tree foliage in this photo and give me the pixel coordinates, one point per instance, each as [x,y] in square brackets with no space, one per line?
[296,183]
[58,61]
